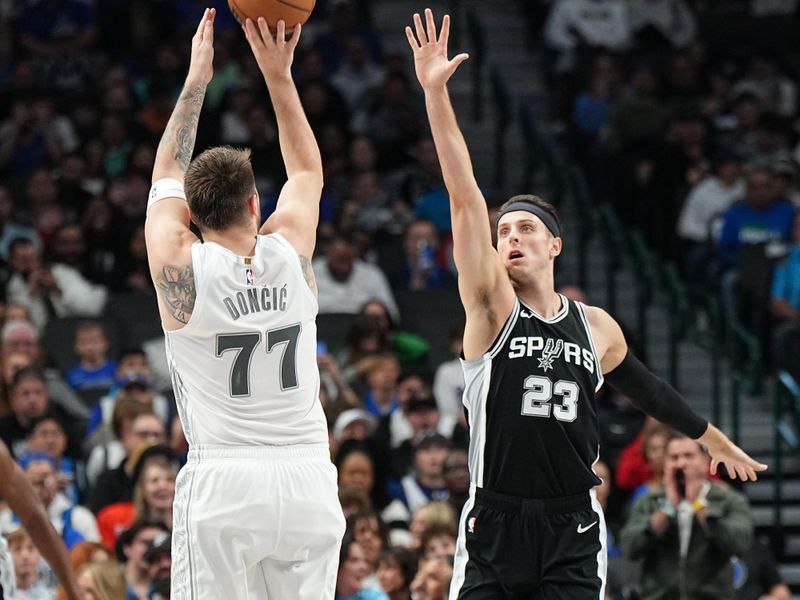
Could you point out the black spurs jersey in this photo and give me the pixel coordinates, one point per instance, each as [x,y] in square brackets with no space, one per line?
[531,406]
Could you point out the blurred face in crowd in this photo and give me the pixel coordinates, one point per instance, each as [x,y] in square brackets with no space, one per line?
[426,156]
[136,549]
[357,471]
[144,429]
[729,171]
[685,453]
[29,399]
[363,155]
[69,245]
[133,364]
[158,487]
[340,257]
[429,461]
[422,417]
[12,362]
[24,258]
[420,232]
[376,309]
[26,559]
[456,472]
[384,373]
[91,344]
[760,189]
[42,477]
[655,445]
[390,575]
[49,437]
[367,535]
[159,566]
[352,572]
[441,547]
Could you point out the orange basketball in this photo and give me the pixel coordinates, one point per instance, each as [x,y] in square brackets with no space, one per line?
[291,11]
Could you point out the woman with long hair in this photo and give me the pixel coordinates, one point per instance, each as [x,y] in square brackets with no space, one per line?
[102,581]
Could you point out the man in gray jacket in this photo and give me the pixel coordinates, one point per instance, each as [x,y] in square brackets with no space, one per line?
[686,533]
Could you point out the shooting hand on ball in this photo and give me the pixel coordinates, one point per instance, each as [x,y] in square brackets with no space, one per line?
[433,67]
[274,56]
[201,66]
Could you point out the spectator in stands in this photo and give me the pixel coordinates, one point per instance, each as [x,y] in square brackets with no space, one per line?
[10,230]
[48,435]
[422,268]
[687,533]
[785,306]
[345,283]
[572,24]
[357,470]
[381,373]
[131,548]
[593,105]
[50,291]
[28,402]
[456,478]
[425,483]
[94,370]
[700,219]
[372,534]
[73,522]
[159,559]
[432,581]
[365,339]
[334,393]
[396,570]
[763,78]
[410,349]
[155,471]
[752,225]
[358,76]
[654,446]
[787,178]
[134,425]
[633,469]
[353,424]
[103,580]
[661,24]
[30,580]
[448,383]
[756,576]
[353,570]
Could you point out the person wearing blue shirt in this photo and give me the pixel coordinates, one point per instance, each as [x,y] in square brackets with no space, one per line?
[95,370]
[785,306]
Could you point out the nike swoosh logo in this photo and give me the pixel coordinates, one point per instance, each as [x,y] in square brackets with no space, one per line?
[582,529]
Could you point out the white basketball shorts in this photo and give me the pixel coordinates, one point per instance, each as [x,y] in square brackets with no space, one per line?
[260,523]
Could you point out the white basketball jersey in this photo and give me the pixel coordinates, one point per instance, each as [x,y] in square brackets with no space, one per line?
[244,368]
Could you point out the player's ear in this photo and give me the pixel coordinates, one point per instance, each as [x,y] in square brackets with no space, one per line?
[254,205]
[555,247]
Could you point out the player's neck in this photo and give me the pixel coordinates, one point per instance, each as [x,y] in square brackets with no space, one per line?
[238,240]
[543,299]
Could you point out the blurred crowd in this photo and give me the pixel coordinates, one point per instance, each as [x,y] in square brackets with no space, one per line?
[693,145]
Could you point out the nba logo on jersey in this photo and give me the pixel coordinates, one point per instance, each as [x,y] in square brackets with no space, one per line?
[251,280]
[471,524]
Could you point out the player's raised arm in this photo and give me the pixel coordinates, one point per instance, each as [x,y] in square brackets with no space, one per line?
[297,213]
[485,290]
[22,499]
[167,232]
[655,397]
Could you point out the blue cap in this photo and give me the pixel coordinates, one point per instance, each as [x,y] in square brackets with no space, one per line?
[32,457]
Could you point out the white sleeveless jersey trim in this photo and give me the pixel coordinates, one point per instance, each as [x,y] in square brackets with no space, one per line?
[244,367]
[598,366]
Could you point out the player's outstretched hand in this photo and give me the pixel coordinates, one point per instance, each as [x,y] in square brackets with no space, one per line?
[725,452]
[431,64]
[274,56]
[201,66]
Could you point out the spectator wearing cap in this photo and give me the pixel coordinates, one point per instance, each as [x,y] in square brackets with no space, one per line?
[787,180]
[73,522]
[426,481]
[29,401]
[155,471]
[131,547]
[159,561]
[49,435]
[135,425]
[353,424]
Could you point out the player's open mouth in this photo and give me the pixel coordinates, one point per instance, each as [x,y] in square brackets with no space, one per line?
[514,254]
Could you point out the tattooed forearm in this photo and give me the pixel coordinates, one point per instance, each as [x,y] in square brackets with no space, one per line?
[179,136]
[308,274]
[177,290]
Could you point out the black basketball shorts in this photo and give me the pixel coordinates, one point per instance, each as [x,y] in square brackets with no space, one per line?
[515,548]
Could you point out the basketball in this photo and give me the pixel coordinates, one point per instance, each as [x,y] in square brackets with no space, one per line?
[291,11]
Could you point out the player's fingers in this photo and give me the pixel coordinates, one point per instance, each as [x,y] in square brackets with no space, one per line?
[444,33]
[208,36]
[423,39]
[431,25]
[280,39]
[298,29]
[714,463]
[457,60]
[266,34]
[412,41]
[252,34]
[201,26]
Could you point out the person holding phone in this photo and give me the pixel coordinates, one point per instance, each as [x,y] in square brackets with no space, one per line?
[686,533]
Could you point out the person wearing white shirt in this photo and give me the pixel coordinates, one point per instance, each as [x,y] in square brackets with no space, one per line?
[345,283]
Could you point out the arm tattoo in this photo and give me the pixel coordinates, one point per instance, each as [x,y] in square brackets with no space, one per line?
[178,291]
[308,273]
[181,131]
